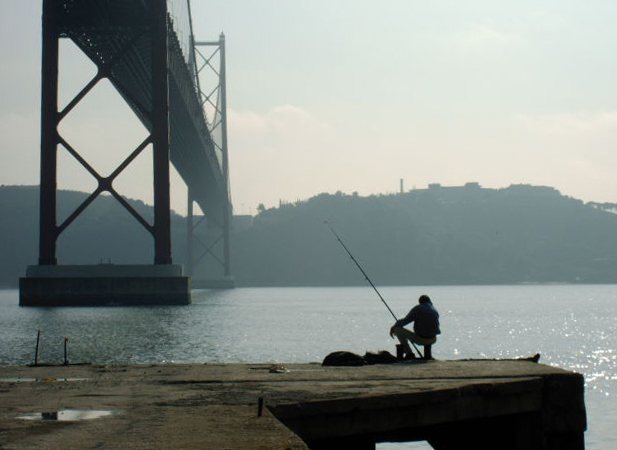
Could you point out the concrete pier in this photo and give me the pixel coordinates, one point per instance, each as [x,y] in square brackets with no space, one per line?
[451,404]
[104,284]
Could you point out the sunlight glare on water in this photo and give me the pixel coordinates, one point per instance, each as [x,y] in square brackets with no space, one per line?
[573,327]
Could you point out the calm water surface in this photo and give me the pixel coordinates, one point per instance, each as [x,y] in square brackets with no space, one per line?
[573,327]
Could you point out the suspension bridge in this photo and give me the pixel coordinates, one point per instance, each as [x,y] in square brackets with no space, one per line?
[148,52]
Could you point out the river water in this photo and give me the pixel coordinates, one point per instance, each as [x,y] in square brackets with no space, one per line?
[571,326]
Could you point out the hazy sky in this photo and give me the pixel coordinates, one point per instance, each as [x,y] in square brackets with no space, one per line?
[354,95]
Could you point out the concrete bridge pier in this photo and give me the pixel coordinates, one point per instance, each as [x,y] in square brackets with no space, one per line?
[104,284]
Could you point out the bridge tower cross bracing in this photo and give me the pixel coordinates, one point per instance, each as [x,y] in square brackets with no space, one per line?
[212,95]
[135,46]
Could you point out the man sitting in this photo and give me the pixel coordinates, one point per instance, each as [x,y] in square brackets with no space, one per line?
[425,320]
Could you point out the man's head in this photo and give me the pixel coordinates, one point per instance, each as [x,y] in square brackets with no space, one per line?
[424,299]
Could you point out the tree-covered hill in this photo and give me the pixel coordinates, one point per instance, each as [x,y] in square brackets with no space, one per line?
[440,235]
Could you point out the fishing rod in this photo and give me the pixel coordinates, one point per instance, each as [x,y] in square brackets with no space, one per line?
[365,276]
[359,267]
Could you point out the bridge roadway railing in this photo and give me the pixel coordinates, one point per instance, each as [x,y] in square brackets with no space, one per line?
[115,35]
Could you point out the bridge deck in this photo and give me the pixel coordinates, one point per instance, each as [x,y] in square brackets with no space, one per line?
[116,31]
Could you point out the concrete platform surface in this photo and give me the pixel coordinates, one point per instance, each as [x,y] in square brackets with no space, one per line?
[215,406]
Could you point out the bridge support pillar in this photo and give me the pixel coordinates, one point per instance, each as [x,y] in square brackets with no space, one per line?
[227,213]
[189,235]
[49,137]
[160,134]
[49,284]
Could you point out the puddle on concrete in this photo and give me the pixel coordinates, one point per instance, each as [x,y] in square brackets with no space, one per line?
[67,415]
[39,380]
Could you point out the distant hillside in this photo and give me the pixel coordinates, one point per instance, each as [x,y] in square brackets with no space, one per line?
[440,235]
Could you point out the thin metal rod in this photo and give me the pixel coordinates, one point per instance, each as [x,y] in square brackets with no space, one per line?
[360,267]
[36,350]
[260,406]
[66,355]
